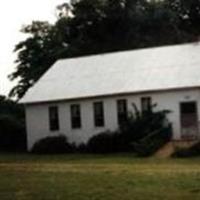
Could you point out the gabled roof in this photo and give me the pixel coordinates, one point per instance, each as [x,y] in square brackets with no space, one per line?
[151,69]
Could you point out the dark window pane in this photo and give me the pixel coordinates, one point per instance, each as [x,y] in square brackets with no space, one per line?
[122,111]
[98,114]
[146,104]
[53,118]
[75,116]
[188,107]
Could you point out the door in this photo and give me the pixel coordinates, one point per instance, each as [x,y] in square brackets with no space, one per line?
[189,120]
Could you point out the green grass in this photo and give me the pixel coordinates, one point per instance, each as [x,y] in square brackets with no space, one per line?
[89,177]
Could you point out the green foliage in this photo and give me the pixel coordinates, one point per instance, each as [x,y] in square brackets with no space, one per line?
[106,142]
[102,26]
[9,107]
[53,145]
[143,133]
[141,125]
[12,135]
[12,126]
[148,145]
[35,55]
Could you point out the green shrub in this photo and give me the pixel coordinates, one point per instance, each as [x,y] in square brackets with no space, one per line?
[153,141]
[12,126]
[81,148]
[146,132]
[53,145]
[139,124]
[106,142]
[143,133]
[12,134]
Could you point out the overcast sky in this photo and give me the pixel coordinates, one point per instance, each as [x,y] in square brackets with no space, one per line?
[14,14]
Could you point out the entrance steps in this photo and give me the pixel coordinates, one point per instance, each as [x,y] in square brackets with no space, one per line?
[169,148]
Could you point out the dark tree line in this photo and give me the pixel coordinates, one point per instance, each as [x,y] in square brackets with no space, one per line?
[98,26]
[12,126]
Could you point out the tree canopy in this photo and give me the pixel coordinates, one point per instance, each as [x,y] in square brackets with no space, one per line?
[89,27]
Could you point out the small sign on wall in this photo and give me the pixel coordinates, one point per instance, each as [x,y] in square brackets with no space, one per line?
[187,97]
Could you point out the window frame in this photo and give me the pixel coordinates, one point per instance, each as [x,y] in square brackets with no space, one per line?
[54,124]
[76,122]
[122,116]
[99,118]
[146,104]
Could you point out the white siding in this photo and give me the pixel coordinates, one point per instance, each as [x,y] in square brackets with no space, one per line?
[38,121]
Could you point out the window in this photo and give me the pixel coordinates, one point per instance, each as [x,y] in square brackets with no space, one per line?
[75,116]
[188,107]
[98,114]
[122,111]
[53,118]
[146,104]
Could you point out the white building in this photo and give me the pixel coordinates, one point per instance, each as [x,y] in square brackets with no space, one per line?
[80,97]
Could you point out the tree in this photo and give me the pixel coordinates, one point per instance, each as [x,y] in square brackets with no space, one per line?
[35,55]
[188,12]
[89,27]
[12,126]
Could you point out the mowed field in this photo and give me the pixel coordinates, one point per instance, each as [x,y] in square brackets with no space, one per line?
[92,177]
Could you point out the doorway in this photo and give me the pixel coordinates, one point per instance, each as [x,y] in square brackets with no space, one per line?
[189,120]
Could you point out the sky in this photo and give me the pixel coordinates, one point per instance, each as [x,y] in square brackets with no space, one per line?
[14,14]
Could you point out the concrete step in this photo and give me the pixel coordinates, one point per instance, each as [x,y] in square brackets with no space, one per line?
[168,149]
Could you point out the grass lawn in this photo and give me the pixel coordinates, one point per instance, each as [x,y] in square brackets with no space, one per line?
[87,177]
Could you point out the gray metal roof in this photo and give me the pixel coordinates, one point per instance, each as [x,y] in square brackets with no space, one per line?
[150,69]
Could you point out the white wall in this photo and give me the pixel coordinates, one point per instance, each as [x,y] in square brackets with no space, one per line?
[38,121]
